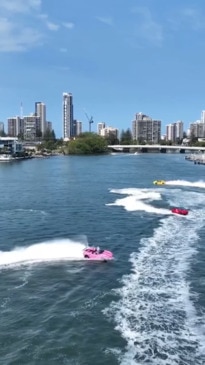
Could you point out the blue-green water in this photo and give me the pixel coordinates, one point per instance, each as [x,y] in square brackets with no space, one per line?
[145,307]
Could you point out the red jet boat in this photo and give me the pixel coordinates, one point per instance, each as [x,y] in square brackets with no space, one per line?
[180,211]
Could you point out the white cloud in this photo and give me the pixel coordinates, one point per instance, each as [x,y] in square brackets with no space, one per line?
[52,26]
[23,25]
[68,25]
[105,20]
[20,6]
[14,38]
[147,27]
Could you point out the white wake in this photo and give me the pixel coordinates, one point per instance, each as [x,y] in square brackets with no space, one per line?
[154,309]
[56,250]
[139,200]
[196,184]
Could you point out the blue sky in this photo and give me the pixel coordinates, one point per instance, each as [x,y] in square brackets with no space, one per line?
[117,58]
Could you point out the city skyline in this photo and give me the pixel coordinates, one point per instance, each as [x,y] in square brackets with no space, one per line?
[117,58]
[72,127]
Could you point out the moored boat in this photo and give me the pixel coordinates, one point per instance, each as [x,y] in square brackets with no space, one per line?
[6,158]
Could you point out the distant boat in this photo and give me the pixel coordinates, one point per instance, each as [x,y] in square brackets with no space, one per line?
[6,158]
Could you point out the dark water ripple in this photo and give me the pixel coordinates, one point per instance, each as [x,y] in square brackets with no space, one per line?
[145,307]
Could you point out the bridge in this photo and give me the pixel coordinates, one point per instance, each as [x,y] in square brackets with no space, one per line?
[155,148]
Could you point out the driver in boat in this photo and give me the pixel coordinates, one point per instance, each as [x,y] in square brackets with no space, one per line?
[97,249]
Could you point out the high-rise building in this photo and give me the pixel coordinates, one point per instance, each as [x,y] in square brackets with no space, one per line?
[146,129]
[179,125]
[170,132]
[68,131]
[1,127]
[40,111]
[77,127]
[175,131]
[203,116]
[197,129]
[100,126]
[31,127]
[15,126]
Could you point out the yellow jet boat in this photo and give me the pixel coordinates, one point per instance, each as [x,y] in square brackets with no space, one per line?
[159,182]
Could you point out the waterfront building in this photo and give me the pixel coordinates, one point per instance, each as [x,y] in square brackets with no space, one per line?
[100,126]
[15,126]
[179,125]
[10,145]
[109,131]
[197,129]
[174,131]
[146,129]
[170,132]
[68,131]
[31,127]
[40,111]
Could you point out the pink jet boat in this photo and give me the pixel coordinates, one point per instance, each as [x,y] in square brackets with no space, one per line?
[95,253]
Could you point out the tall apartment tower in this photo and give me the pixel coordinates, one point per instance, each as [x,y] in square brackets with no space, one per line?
[77,128]
[203,116]
[146,129]
[15,126]
[67,116]
[174,131]
[100,126]
[40,111]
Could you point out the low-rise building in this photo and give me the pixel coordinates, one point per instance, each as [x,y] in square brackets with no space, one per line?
[10,145]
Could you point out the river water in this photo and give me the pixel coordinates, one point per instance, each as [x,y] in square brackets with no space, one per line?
[147,306]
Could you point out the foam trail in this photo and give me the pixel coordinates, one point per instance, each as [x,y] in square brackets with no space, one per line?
[154,311]
[131,204]
[138,193]
[57,250]
[135,200]
[196,184]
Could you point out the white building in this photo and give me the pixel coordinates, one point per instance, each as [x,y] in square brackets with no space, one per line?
[197,129]
[40,111]
[67,116]
[10,145]
[175,131]
[108,131]
[179,130]
[100,126]
[170,132]
[203,116]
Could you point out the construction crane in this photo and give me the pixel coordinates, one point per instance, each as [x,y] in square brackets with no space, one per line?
[90,121]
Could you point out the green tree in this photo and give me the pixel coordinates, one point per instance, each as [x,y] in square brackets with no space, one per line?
[49,135]
[86,143]
[126,137]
